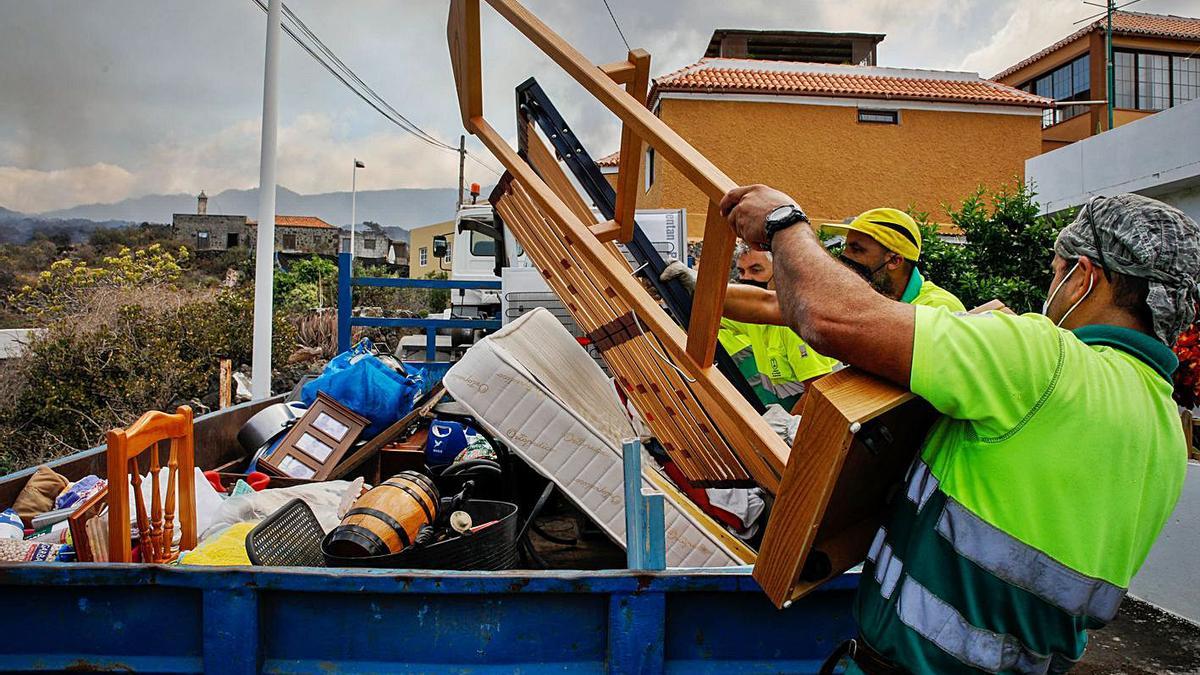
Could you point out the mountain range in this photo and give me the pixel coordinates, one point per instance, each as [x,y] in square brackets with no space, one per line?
[405,208]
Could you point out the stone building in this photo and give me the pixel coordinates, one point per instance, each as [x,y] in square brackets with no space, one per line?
[302,235]
[299,234]
[208,232]
[371,244]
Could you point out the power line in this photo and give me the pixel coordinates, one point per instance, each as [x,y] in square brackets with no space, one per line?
[333,57]
[619,31]
[1105,12]
[344,74]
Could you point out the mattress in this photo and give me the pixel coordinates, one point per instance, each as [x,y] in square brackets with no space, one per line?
[533,386]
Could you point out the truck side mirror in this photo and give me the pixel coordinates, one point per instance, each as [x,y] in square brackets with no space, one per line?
[439,246]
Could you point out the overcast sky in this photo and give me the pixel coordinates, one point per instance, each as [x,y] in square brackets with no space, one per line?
[100,101]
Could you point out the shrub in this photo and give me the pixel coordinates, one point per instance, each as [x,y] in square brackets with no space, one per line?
[1006,254]
[306,284]
[124,352]
[67,286]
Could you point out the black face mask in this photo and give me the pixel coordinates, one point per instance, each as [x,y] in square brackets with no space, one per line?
[860,269]
[755,282]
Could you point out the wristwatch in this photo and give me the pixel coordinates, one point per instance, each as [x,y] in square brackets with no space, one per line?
[782,218]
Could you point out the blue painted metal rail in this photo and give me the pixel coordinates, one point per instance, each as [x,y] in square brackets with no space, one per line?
[242,620]
[345,306]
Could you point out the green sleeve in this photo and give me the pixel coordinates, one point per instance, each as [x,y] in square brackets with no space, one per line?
[992,369]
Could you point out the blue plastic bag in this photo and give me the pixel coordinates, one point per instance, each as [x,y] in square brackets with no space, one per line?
[366,386]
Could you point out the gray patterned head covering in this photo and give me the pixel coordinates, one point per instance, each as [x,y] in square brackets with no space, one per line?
[1144,238]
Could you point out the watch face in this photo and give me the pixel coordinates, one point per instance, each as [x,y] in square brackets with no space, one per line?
[779,212]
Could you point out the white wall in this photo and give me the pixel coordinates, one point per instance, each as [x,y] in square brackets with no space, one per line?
[1170,578]
[1157,156]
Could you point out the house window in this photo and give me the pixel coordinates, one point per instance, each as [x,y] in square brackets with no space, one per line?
[231,240]
[368,244]
[1123,64]
[879,116]
[202,239]
[649,168]
[1069,82]
[1185,79]
[346,244]
[289,242]
[423,255]
[1155,81]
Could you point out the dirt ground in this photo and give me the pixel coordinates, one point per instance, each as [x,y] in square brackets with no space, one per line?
[1143,640]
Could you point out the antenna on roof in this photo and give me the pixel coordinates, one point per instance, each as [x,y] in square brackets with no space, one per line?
[1110,7]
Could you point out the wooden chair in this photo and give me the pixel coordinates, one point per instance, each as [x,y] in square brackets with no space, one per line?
[156,526]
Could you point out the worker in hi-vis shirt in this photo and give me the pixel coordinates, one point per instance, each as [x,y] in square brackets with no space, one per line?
[1058,456]
[773,359]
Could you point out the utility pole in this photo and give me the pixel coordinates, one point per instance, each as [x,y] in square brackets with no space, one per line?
[264,256]
[462,159]
[354,207]
[1111,70]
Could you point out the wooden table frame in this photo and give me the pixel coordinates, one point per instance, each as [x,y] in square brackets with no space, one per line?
[759,449]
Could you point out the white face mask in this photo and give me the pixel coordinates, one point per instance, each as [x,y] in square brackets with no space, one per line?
[1050,299]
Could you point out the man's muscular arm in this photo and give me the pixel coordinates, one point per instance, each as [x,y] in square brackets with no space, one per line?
[834,310]
[750,304]
[745,303]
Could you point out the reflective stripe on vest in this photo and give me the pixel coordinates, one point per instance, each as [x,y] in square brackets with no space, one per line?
[1026,567]
[921,484]
[778,389]
[782,389]
[941,624]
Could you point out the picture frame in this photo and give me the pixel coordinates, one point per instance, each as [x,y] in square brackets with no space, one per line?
[89,528]
[318,441]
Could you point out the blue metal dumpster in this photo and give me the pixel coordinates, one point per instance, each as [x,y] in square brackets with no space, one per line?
[222,620]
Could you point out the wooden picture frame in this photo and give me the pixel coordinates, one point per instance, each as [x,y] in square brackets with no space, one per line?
[315,445]
[373,446]
[89,529]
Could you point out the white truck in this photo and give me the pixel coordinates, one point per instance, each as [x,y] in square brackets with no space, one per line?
[484,252]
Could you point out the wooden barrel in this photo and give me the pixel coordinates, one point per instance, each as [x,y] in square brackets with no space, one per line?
[387,518]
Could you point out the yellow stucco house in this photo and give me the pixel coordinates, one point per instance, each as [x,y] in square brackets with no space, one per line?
[840,138]
[420,249]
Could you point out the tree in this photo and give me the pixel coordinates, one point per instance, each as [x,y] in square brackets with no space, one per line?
[1007,250]
[306,284]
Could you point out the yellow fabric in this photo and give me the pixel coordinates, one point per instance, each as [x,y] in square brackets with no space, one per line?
[223,549]
[894,229]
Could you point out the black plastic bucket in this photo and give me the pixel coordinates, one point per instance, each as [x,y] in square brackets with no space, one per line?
[492,548]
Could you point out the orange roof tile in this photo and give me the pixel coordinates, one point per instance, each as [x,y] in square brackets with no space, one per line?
[613,159]
[745,76]
[1124,23]
[296,221]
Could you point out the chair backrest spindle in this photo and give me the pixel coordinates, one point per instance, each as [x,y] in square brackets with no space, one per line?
[168,530]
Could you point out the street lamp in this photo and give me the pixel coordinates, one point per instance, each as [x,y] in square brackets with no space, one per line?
[353,206]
